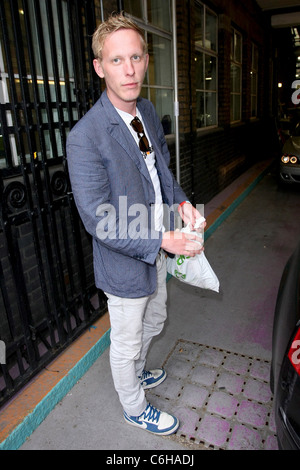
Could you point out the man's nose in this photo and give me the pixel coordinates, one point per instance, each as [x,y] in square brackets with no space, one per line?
[129,68]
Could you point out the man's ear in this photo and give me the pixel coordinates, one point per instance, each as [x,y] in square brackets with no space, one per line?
[98,68]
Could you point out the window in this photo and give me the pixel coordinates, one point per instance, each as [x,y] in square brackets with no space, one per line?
[155,12]
[254,74]
[154,16]
[236,77]
[206,67]
[43,80]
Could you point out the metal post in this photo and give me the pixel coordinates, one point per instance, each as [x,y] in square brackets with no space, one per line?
[176,102]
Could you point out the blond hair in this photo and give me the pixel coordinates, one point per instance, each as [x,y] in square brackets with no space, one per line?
[114,23]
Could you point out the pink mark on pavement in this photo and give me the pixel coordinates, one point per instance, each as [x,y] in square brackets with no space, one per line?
[258,329]
[253,414]
[214,430]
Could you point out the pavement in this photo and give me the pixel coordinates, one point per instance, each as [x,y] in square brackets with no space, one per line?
[215,347]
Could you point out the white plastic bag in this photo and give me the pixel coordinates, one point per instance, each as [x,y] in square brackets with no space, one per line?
[195,271]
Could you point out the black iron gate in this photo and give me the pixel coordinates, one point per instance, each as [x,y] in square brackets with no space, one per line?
[48,295]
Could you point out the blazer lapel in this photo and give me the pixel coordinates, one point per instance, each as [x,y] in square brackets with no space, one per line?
[161,164]
[118,130]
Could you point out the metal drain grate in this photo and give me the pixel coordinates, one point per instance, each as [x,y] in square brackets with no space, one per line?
[223,399]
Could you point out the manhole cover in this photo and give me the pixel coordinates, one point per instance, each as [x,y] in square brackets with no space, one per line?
[222,399]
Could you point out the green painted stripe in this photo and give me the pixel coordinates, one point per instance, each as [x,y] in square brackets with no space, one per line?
[235,203]
[41,411]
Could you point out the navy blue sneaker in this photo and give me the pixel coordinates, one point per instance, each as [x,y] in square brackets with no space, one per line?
[154,421]
[152,378]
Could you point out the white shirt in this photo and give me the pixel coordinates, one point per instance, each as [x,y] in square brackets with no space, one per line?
[150,162]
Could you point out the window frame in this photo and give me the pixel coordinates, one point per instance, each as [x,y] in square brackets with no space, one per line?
[207,53]
[254,73]
[39,86]
[236,62]
[150,89]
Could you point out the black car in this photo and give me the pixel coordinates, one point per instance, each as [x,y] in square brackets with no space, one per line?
[285,365]
[289,166]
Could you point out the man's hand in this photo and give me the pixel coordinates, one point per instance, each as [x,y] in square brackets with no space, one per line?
[190,214]
[179,243]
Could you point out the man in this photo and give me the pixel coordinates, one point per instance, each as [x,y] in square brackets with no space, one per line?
[118,164]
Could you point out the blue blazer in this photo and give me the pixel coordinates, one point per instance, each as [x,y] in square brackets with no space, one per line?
[114,195]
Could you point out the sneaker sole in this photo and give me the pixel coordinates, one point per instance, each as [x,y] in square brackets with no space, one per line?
[157,433]
[155,384]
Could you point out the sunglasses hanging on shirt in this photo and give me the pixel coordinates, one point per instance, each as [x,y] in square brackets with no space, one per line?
[137,126]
